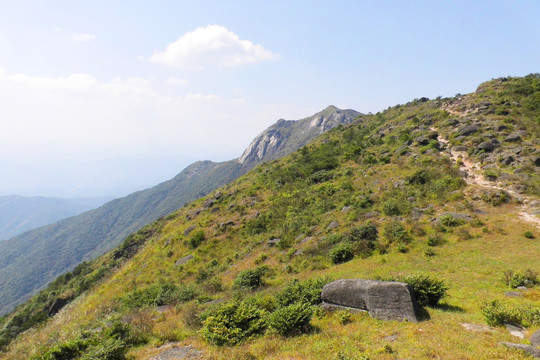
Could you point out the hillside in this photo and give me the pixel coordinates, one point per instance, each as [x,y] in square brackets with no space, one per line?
[445,188]
[29,261]
[19,213]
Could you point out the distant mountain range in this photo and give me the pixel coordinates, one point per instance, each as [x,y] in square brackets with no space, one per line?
[30,260]
[20,213]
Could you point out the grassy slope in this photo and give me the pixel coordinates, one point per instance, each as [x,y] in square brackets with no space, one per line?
[290,205]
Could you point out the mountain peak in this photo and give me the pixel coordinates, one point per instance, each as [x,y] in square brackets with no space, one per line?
[287,135]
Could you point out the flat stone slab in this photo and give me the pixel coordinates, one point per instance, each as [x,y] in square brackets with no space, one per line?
[516,330]
[384,300]
[531,350]
[178,353]
[477,328]
[184,260]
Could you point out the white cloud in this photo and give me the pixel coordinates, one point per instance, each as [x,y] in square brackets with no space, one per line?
[82,37]
[212,45]
[177,81]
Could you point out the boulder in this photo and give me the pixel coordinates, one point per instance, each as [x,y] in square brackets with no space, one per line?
[184,260]
[487,146]
[516,330]
[535,338]
[178,353]
[467,130]
[332,225]
[273,241]
[459,148]
[385,300]
[513,138]
[531,350]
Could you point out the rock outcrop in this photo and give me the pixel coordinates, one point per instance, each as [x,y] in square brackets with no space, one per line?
[385,300]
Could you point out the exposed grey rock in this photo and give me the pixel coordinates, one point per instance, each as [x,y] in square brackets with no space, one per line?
[372,214]
[467,130]
[300,237]
[226,224]
[390,338]
[477,328]
[516,330]
[535,338]
[459,148]
[531,350]
[184,260]
[178,353]
[513,294]
[306,240]
[422,140]
[274,241]
[486,146]
[385,300]
[298,252]
[345,209]
[332,225]
[507,159]
[513,138]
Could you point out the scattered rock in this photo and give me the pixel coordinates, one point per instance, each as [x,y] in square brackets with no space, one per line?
[162,308]
[306,239]
[214,210]
[531,350]
[486,146]
[459,148]
[274,241]
[215,301]
[522,288]
[218,195]
[298,252]
[372,214]
[332,225]
[516,330]
[385,300]
[513,138]
[178,353]
[507,159]
[535,338]
[513,294]
[422,140]
[467,130]
[300,237]
[477,328]
[345,209]
[209,203]
[184,260]
[226,224]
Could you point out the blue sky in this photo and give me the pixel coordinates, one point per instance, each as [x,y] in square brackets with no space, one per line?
[107,97]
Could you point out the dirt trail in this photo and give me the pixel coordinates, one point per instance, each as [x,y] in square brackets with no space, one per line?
[475,177]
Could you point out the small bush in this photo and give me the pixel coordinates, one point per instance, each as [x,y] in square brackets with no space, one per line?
[528,278]
[395,232]
[427,289]
[341,253]
[498,314]
[450,221]
[250,279]
[292,319]
[296,291]
[364,232]
[429,252]
[435,239]
[196,239]
[391,207]
[344,316]
[528,234]
[154,295]
[234,323]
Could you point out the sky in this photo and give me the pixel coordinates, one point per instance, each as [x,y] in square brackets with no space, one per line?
[103,98]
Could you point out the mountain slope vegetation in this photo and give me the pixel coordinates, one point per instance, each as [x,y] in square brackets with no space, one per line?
[422,190]
[29,261]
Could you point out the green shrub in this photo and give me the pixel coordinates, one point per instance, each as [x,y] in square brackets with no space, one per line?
[429,252]
[344,316]
[391,207]
[196,239]
[498,314]
[107,349]
[234,323]
[250,279]
[296,291]
[341,253]
[528,234]
[291,319]
[528,278]
[428,290]
[396,232]
[364,232]
[435,239]
[154,295]
[450,221]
